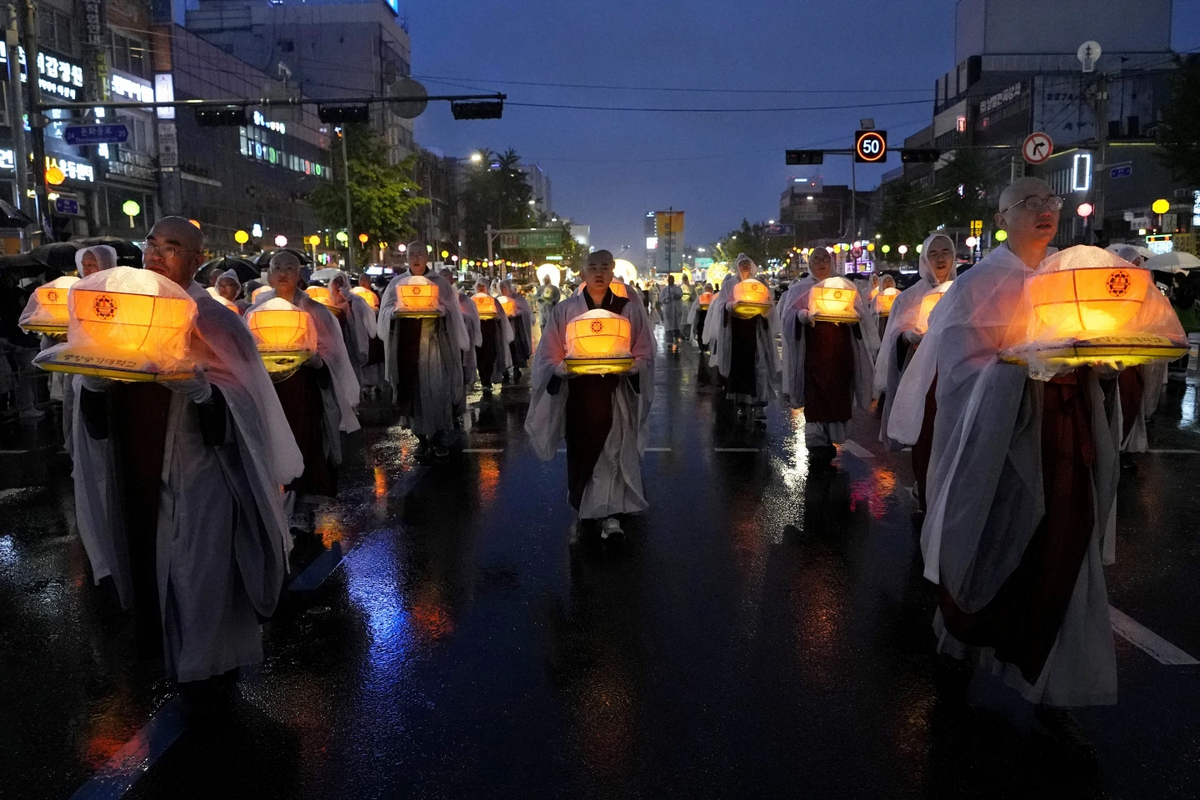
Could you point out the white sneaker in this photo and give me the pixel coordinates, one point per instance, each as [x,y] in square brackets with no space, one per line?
[609,527]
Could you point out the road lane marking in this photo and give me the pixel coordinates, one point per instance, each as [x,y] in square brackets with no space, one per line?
[658,449]
[736,449]
[483,449]
[857,449]
[137,756]
[1145,639]
[13,452]
[1188,452]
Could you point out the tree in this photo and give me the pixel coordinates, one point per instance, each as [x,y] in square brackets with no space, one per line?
[752,240]
[497,192]
[1179,131]
[383,196]
[959,194]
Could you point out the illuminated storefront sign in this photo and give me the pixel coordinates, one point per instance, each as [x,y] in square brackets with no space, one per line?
[74,170]
[133,88]
[57,76]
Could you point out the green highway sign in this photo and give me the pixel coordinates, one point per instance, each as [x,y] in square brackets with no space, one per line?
[541,239]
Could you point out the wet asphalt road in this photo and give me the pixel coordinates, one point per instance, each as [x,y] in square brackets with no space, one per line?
[761,631]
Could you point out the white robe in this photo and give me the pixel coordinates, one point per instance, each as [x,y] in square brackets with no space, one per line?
[548,297]
[222,536]
[471,322]
[795,300]
[440,392]
[671,299]
[616,483]
[719,337]
[985,484]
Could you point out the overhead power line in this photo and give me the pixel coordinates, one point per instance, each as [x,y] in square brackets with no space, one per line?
[721,110]
[697,89]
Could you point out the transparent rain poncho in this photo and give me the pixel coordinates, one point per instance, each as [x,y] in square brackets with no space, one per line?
[126,324]
[1088,306]
[47,311]
[280,327]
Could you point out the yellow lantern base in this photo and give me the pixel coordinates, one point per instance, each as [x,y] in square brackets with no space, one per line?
[598,366]
[128,367]
[281,365]
[840,319]
[54,331]
[751,310]
[425,314]
[704,306]
[1115,351]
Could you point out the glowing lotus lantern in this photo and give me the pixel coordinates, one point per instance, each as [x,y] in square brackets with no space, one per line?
[259,292]
[624,270]
[47,312]
[619,289]
[706,300]
[417,296]
[927,305]
[832,300]
[751,298]
[1092,307]
[506,303]
[284,336]
[598,343]
[215,294]
[323,296]
[366,294]
[884,300]
[486,304]
[126,324]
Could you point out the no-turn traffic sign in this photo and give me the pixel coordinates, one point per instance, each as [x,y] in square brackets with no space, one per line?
[1037,148]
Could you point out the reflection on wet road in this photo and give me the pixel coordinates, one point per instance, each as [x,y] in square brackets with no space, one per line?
[763,630]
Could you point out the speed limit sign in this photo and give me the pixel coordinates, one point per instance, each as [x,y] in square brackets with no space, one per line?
[870,147]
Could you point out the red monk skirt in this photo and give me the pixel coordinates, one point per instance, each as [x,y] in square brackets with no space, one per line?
[589,419]
[1023,619]
[408,362]
[1132,385]
[300,396]
[828,372]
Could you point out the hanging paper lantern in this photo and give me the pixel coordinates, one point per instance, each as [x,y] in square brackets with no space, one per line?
[751,298]
[706,300]
[126,324]
[598,343]
[927,304]
[884,300]
[485,304]
[506,303]
[832,300]
[48,312]
[216,295]
[417,296]
[366,294]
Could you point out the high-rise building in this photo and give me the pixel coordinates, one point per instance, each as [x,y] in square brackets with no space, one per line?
[327,49]
[539,182]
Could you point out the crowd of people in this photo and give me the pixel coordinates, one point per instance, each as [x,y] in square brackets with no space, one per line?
[190,492]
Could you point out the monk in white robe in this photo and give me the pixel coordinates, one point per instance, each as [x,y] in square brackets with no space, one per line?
[521,347]
[827,365]
[671,301]
[548,297]
[900,342]
[423,359]
[178,486]
[604,418]
[356,319]
[743,350]
[1022,481]
[319,399]
[493,354]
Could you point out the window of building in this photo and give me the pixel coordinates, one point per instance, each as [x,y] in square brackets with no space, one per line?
[55,30]
[130,55]
[139,133]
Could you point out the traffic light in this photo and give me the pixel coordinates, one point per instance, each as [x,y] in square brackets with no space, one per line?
[484,109]
[796,157]
[920,156]
[870,147]
[341,115]
[220,117]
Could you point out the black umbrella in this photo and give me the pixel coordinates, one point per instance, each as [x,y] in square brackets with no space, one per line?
[57,255]
[10,217]
[128,253]
[263,259]
[246,271]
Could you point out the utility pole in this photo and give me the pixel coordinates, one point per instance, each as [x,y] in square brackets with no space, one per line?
[16,101]
[1100,168]
[491,257]
[349,221]
[37,119]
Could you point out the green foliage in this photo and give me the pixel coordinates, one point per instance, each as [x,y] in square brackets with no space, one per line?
[911,211]
[1179,131]
[383,196]
[497,196]
[752,240]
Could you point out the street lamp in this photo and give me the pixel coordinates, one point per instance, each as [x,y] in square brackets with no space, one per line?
[476,157]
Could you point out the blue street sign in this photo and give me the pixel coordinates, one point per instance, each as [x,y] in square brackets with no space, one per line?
[67,205]
[96,134]
[1121,171]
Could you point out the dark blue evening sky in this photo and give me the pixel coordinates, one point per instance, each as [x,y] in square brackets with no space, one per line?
[609,168]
